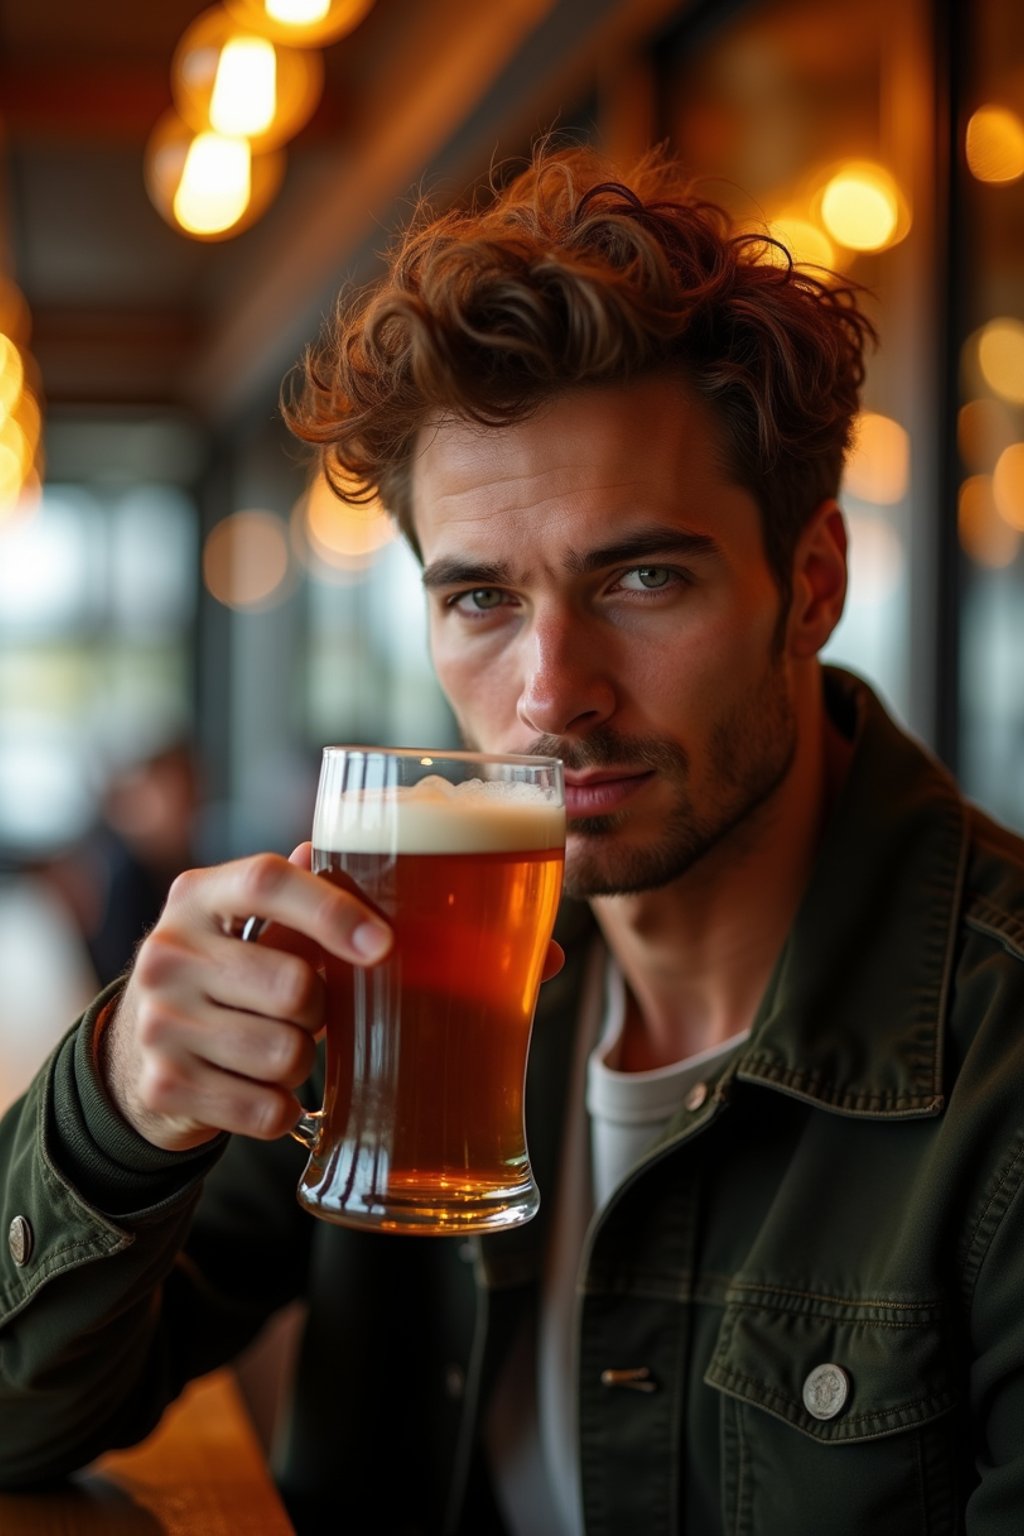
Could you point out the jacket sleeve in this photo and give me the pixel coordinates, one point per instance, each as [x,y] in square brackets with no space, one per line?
[124,1270]
[997,1368]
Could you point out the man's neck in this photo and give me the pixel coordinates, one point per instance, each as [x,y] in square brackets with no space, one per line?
[697,954]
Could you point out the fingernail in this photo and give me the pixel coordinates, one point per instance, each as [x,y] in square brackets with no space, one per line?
[372,940]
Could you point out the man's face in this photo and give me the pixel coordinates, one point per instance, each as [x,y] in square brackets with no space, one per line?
[598,591]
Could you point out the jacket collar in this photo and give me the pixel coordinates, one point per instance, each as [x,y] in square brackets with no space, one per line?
[852,1018]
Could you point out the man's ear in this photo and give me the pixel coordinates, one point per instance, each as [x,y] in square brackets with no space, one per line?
[819,581]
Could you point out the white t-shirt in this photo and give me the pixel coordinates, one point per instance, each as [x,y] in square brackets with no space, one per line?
[530,1433]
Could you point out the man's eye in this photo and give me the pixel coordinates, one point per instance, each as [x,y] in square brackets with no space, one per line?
[480,600]
[647,577]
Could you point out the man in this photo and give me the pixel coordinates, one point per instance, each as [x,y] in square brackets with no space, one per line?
[774,1093]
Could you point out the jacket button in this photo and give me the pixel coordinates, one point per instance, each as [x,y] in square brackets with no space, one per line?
[696,1096]
[826,1390]
[19,1240]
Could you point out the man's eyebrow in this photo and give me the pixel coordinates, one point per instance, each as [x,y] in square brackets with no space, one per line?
[453,572]
[639,545]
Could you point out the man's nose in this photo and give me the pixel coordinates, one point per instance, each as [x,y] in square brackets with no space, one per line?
[567,686]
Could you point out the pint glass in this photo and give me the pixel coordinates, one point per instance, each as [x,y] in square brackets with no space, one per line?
[422,1125]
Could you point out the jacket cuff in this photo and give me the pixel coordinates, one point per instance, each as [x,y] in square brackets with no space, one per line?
[111,1166]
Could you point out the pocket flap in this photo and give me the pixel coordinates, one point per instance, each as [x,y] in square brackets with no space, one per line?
[835,1369]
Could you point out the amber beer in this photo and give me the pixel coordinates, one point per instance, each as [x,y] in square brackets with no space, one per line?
[422,1126]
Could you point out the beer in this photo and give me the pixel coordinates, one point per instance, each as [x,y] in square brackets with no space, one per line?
[422,1125]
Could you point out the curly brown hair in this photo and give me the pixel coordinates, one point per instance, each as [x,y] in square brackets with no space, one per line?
[569,277]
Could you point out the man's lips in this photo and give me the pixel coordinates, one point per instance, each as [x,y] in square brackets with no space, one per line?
[601,791]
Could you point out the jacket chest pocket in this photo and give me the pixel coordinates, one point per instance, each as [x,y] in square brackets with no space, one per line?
[836,1417]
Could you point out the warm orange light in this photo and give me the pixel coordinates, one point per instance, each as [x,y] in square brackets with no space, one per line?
[1008,485]
[863,209]
[984,536]
[243,84]
[245,561]
[878,468]
[25,411]
[1001,358]
[205,185]
[808,245]
[302,23]
[995,144]
[244,96]
[983,429]
[343,534]
[15,321]
[215,185]
[12,374]
[13,438]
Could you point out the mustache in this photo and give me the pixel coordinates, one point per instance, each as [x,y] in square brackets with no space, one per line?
[606,748]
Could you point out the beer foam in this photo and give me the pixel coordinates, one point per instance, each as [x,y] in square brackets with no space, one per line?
[434,816]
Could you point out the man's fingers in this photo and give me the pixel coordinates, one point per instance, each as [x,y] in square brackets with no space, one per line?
[278,890]
[248,1045]
[185,1096]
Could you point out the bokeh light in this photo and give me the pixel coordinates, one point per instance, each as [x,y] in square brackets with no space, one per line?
[808,245]
[244,95]
[205,185]
[984,427]
[15,320]
[12,373]
[246,561]
[215,185]
[878,468]
[1001,358]
[995,144]
[985,537]
[862,207]
[302,23]
[242,84]
[1008,485]
[344,535]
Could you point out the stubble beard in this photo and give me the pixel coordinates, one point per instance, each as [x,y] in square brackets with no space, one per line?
[750,752]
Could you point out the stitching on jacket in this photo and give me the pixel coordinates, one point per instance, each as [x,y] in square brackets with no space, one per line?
[996,924]
[785,1405]
[932,1308]
[978,1249]
[813,1089]
[742,1468]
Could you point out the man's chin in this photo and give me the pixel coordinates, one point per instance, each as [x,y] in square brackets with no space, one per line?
[595,870]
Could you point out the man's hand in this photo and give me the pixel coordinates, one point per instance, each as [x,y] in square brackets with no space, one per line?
[215,1035]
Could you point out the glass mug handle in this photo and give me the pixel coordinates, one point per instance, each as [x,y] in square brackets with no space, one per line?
[306,1129]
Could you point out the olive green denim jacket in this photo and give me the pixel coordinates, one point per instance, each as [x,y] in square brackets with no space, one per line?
[803,1312]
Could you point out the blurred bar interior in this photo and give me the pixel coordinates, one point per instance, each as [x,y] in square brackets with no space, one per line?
[184,620]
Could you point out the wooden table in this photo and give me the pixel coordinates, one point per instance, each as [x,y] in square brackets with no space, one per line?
[201,1473]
